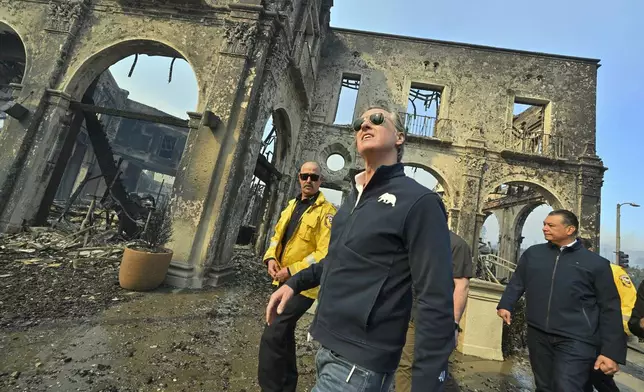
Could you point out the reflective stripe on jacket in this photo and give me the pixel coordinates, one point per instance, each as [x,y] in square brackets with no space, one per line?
[310,242]
[627,293]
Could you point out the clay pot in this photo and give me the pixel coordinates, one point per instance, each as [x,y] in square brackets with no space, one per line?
[143,271]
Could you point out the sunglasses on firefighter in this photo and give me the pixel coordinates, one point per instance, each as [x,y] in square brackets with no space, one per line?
[375,119]
[305,176]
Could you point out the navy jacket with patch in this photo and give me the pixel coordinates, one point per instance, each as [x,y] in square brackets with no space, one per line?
[396,235]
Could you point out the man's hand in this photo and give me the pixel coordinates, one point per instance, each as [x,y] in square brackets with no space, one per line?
[277,302]
[273,268]
[282,275]
[505,315]
[606,365]
[642,323]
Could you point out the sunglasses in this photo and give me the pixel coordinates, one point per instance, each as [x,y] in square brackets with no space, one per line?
[375,119]
[306,176]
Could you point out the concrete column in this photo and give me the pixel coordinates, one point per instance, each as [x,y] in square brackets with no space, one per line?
[588,203]
[509,230]
[468,203]
[589,208]
[482,334]
[22,188]
[216,168]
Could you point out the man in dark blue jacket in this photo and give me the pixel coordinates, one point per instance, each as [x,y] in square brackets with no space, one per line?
[391,232]
[572,309]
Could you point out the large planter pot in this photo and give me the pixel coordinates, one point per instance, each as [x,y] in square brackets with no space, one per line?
[143,271]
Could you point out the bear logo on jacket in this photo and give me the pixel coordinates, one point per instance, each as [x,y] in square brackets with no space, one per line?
[388,198]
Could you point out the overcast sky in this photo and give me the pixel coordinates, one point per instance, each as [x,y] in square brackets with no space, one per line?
[612,32]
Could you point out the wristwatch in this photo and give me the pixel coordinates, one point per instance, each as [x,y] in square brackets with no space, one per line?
[457,327]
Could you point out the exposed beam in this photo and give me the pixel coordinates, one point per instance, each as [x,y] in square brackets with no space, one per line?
[167,120]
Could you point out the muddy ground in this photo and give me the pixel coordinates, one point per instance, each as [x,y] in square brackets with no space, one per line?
[75,329]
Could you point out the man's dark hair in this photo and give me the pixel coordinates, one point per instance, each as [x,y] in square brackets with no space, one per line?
[569,219]
[586,243]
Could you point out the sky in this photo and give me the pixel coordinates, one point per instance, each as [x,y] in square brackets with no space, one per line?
[612,32]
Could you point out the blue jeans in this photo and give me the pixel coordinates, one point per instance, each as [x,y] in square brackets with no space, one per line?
[336,374]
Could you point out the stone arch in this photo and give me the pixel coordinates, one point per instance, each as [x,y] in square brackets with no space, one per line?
[98,62]
[13,63]
[440,178]
[512,210]
[284,138]
[551,197]
[10,51]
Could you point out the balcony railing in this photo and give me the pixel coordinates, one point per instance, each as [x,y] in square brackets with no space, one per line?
[535,143]
[419,125]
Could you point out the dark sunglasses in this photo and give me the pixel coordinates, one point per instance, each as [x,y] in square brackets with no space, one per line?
[305,176]
[375,119]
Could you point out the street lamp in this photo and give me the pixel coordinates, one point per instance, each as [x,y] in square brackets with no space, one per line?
[617,240]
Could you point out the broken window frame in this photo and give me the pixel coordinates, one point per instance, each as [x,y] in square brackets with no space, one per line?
[163,146]
[533,140]
[271,138]
[429,96]
[351,82]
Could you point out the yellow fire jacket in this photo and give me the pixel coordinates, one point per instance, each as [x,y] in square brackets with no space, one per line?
[627,293]
[310,242]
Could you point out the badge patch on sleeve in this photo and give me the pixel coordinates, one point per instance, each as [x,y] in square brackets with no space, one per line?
[328,220]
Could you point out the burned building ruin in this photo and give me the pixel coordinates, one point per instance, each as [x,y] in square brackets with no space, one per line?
[501,130]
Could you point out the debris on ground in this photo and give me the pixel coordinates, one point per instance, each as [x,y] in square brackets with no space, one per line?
[48,274]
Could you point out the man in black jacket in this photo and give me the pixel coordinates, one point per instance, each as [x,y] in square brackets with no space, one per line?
[572,309]
[391,232]
[636,323]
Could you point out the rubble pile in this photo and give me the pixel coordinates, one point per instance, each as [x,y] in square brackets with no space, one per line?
[50,274]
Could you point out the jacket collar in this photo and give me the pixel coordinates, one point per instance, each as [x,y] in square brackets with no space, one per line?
[576,246]
[385,172]
[320,199]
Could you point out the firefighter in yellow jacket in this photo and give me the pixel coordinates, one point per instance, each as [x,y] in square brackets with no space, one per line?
[627,292]
[301,238]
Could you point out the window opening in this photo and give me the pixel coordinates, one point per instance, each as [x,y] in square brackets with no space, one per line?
[422,110]
[167,146]
[335,162]
[269,137]
[348,99]
[528,134]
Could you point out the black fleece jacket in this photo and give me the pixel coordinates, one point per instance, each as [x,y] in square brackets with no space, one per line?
[395,235]
[638,313]
[570,293]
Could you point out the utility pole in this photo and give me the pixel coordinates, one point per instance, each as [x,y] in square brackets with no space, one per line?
[617,229]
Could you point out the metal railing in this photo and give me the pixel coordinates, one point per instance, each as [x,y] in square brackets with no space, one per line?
[419,125]
[496,268]
[535,142]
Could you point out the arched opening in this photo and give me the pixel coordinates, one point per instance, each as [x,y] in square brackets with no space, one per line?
[13,61]
[262,196]
[489,236]
[126,136]
[430,179]
[529,224]
[518,208]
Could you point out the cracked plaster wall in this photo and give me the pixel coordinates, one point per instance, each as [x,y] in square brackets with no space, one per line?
[468,155]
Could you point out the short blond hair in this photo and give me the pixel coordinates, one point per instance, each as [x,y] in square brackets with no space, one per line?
[399,124]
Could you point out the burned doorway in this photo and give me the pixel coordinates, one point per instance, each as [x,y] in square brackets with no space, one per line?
[262,197]
[126,138]
[13,61]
